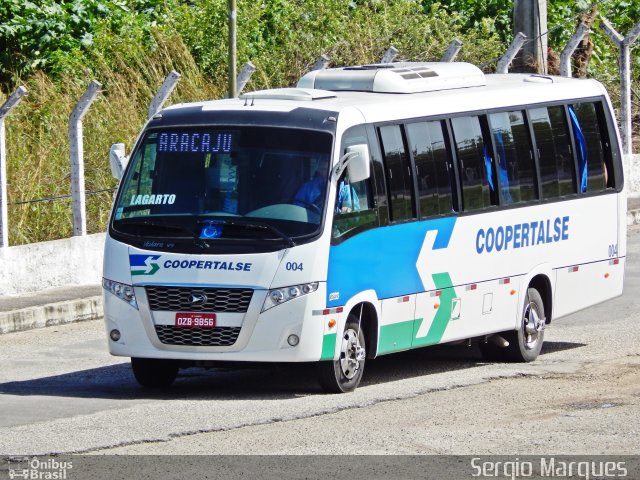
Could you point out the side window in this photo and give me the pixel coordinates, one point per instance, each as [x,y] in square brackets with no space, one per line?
[474,162]
[551,133]
[354,210]
[514,160]
[590,146]
[434,171]
[142,177]
[399,179]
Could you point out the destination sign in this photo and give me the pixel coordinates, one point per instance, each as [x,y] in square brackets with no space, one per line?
[196,142]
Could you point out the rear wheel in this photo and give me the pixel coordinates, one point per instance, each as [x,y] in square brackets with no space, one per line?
[154,373]
[526,342]
[345,373]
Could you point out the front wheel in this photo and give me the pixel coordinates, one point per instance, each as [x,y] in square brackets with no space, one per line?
[344,374]
[154,373]
[526,342]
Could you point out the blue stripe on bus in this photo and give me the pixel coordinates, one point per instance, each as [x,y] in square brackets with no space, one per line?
[582,150]
[382,259]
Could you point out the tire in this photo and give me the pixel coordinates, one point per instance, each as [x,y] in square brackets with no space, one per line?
[154,373]
[526,342]
[344,374]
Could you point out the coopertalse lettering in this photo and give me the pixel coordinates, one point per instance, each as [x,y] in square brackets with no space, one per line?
[522,235]
[208,265]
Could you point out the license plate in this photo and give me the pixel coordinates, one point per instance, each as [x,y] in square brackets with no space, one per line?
[195,320]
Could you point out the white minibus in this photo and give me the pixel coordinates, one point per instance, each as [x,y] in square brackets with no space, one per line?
[369,210]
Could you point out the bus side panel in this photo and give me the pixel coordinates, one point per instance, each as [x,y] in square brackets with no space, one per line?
[592,272]
[396,324]
[469,274]
[465,311]
[585,285]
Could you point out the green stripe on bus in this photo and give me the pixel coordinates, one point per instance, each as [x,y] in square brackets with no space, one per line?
[395,337]
[328,346]
[442,282]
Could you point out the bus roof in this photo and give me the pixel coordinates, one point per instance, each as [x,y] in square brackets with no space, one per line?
[494,91]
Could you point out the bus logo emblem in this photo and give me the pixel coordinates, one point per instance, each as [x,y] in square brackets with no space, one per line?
[198,299]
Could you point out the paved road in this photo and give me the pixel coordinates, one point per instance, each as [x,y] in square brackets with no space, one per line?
[61,392]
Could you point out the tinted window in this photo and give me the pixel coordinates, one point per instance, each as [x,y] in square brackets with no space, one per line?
[475,162]
[398,173]
[353,211]
[514,157]
[590,147]
[554,151]
[427,144]
[184,176]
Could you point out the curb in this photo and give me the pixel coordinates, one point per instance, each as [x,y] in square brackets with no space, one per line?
[59,313]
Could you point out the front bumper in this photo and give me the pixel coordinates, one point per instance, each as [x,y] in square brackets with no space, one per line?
[262,338]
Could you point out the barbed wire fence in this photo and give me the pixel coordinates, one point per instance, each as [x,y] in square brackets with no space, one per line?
[502,64]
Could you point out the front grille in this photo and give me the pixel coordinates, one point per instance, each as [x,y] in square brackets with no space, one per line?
[205,337]
[219,300]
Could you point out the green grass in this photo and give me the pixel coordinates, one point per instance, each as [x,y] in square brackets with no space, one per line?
[37,135]
[131,54]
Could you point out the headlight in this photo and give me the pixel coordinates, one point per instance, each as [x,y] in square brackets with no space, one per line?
[121,290]
[278,296]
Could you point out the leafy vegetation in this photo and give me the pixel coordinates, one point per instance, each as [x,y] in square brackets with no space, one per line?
[55,47]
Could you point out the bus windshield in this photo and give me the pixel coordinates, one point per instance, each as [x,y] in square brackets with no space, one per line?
[261,182]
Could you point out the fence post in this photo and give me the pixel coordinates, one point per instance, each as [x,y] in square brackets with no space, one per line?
[233,50]
[76,157]
[244,76]
[452,51]
[572,44]
[165,90]
[625,79]
[6,108]
[321,63]
[389,55]
[512,51]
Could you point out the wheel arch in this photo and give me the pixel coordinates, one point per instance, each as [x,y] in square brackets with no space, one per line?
[542,284]
[370,304]
[370,325]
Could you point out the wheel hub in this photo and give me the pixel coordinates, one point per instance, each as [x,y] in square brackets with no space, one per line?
[534,325]
[351,354]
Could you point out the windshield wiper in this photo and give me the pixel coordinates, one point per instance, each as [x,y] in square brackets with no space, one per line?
[198,242]
[257,226]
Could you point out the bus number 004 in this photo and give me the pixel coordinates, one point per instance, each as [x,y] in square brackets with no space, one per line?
[293,266]
[613,250]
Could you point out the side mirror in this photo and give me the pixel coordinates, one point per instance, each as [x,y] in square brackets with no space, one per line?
[358,166]
[117,160]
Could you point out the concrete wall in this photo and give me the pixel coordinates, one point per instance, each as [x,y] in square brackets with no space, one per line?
[37,266]
[632,175]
